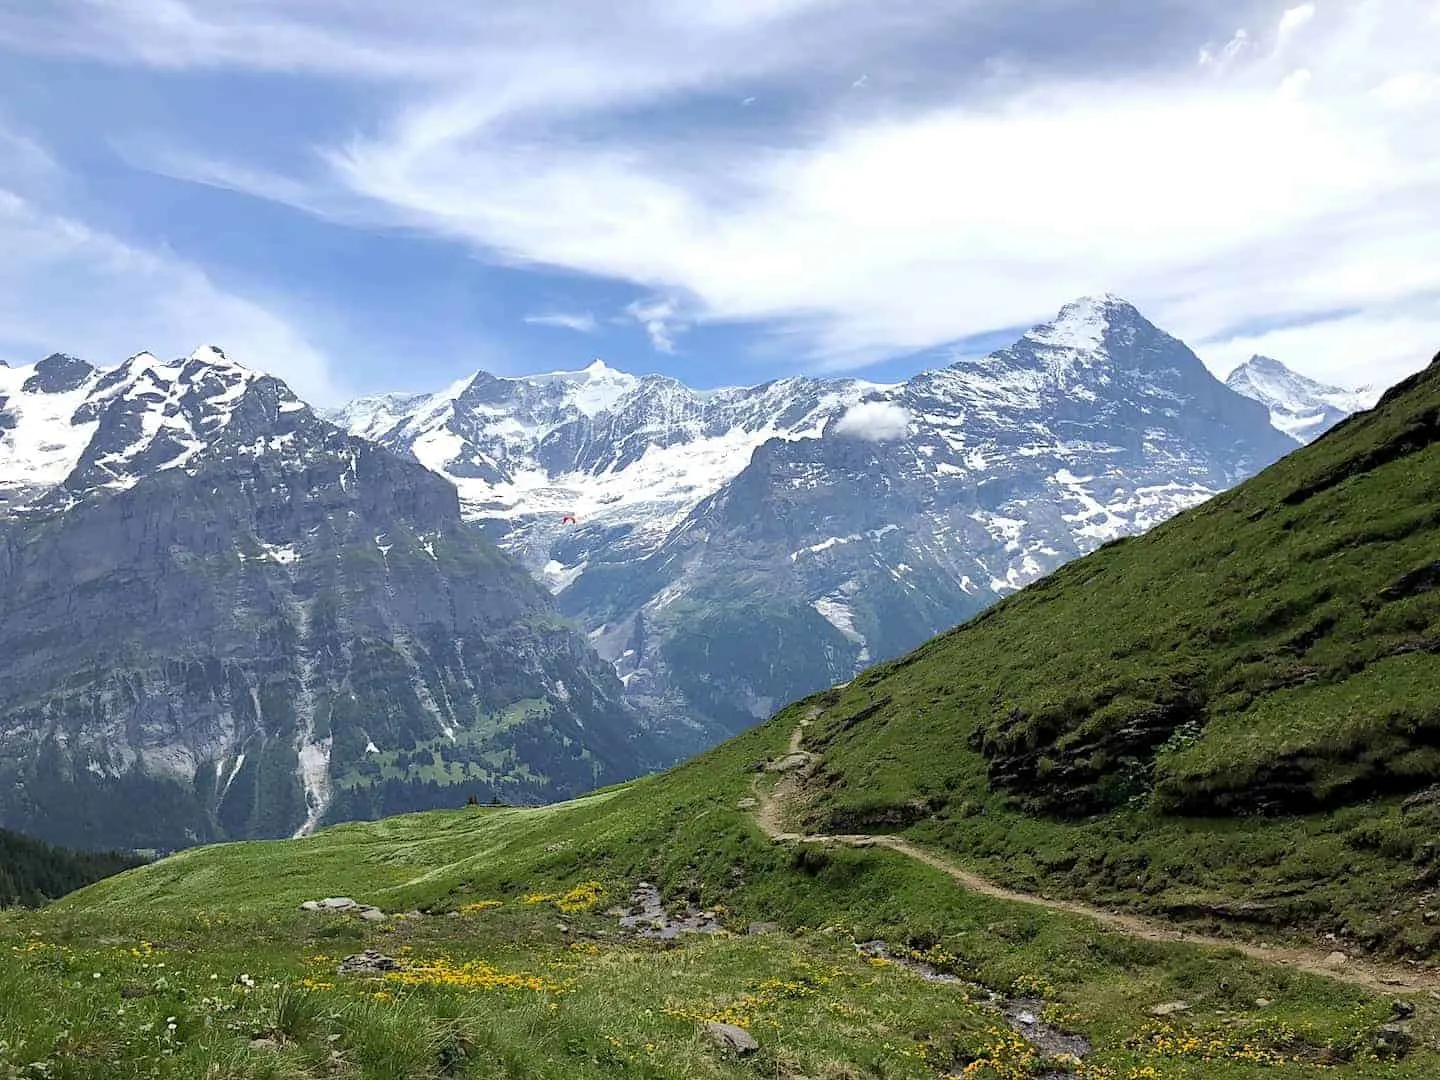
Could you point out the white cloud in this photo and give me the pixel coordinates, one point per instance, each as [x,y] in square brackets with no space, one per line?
[874,421]
[1294,171]
[1365,349]
[661,320]
[113,300]
[1408,90]
[583,323]
[1291,21]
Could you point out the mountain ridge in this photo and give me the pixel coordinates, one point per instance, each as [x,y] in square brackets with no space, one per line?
[1050,822]
[975,479]
[229,609]
[1301,407]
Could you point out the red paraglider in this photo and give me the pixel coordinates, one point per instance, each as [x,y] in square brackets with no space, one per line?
[568,519]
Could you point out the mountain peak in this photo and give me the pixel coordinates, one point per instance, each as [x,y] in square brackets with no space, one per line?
[210,354]
[1299,406]
[58,373]
[1081,324]
[1262,363]
[598,367]
[1266,373]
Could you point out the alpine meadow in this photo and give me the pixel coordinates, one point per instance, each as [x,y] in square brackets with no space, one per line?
[719,540]
[1169,812]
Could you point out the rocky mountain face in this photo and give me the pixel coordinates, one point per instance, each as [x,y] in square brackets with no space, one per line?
[732,550]
[226,617]
[1301,407]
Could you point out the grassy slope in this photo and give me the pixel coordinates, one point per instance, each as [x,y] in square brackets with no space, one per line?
[1144,619]
[631,1008]
[1220,719]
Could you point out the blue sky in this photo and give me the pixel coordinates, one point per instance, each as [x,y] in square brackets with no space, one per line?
[361,196]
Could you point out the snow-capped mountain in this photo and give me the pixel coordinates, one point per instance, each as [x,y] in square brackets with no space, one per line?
[623,454]
[226,616]
[734,549]
[1301,407]
[68,429]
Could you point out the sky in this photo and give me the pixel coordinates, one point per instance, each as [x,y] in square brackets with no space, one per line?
[362,196]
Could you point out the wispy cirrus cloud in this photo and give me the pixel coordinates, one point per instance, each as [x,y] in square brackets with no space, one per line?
[66,286]
[661,319]
[582,323]
[922,171]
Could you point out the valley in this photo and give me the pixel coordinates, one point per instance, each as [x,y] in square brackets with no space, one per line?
[730,550]
[517,589]
[898,891]
[703,540]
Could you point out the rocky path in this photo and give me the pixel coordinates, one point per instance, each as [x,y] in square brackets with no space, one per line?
[770,813]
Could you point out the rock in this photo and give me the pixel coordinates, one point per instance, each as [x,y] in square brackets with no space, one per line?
[1169,1008]
[790,762]
[1393,1041]
[368,962]
[647,916]
[762,928]
[344,903]
[1024,1014]
[747,803]
[264,1042]
[1402,1010]
[730,1037]
[1336,959]
[1263,1003]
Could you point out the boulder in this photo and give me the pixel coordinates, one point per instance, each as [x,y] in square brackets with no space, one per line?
[368,962]
[1169,1008]
[1393,1041]
[732,1038]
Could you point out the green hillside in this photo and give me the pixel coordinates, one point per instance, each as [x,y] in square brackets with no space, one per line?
[1223,723]
[1234,716]
[530,977]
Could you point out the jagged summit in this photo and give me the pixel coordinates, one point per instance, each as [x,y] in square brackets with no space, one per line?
[68,427]
[961,486]
[1085,323]
[1301,407]
[58,373]
[224,616]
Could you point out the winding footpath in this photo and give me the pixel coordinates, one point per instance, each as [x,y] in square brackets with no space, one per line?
[770,814]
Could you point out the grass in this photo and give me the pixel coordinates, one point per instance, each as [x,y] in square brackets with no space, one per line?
[499,989]
[1230,718]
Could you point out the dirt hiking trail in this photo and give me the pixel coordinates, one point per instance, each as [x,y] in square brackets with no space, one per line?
[770,814]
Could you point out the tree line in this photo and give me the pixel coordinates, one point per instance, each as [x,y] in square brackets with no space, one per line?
[33,872]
